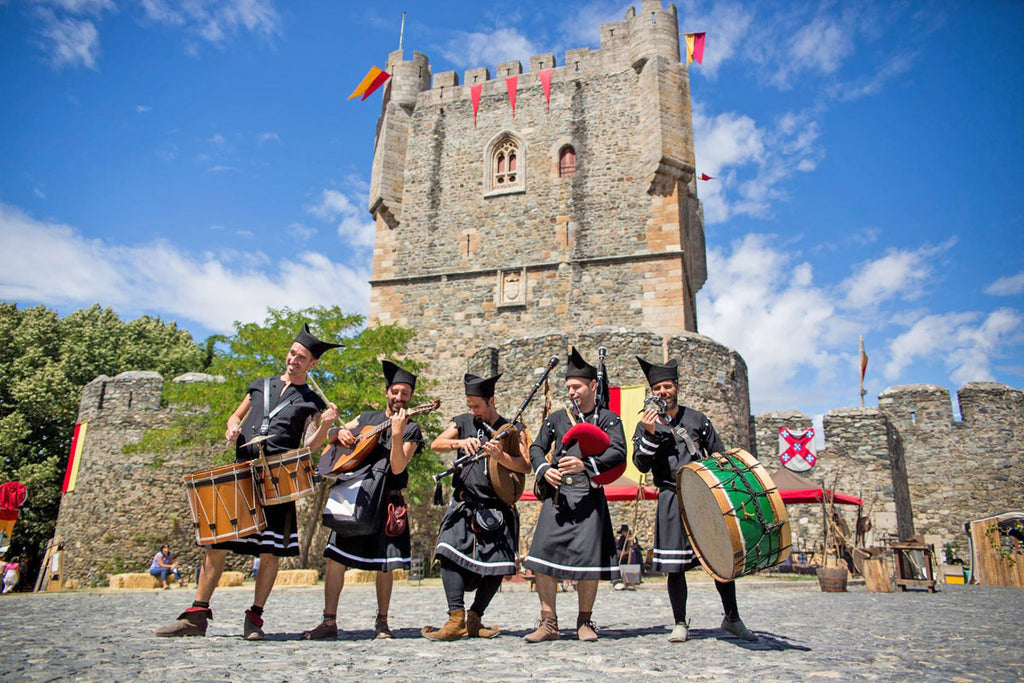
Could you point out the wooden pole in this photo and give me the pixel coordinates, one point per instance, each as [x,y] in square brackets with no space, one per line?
[861,363]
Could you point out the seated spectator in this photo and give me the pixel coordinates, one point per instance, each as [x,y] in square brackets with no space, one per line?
[164,566]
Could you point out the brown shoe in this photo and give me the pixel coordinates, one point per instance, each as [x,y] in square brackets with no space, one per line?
[191,622]
[476,629]
[586,631]
[381,628]
[453,629]
[322,631]
[252,626]
[547,629]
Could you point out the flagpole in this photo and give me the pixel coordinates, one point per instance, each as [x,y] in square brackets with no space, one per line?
[861,359]
[401,33]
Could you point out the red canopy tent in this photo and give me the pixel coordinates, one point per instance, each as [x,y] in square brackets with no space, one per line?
[795,489]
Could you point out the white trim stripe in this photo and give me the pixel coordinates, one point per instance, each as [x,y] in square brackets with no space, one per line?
[466,557]
[377,560]
[610,568]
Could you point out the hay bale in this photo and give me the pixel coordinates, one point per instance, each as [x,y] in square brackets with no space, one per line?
[138,581]
[296,577]
[228,579]
[363,576]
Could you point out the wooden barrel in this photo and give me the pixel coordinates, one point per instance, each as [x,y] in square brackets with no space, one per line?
[832,579]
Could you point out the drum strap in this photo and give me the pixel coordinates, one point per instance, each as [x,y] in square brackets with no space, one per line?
[691,446]
[267,412]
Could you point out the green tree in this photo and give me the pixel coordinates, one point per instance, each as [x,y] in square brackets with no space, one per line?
[350,377]
[45,360]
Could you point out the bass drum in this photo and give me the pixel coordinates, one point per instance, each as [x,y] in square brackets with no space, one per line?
[733,514]
[507,484]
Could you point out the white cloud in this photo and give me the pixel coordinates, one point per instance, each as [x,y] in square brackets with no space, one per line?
[1011,285]
[761,302]
[966,346]
[582,26]
[215,20]
[203,288]
[750,163]
[70,42]
[39,193]
[727,24]
[94,7]
[478,48]
[268,137]
[221,169]
[900,273]
[142,108]
[354,224]
[301,231]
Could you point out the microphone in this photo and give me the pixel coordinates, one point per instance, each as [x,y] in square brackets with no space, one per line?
[552,362]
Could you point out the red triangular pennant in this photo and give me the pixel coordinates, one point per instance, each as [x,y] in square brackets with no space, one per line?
[510,84]
[705,176]
[474,93]
[545,80]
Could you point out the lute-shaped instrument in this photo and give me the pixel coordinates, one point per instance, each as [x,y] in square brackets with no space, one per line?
[336,459]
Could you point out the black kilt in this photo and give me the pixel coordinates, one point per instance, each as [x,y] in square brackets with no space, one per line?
[280,538]
[672,551]
[488,553]
[575,540]
[375,552]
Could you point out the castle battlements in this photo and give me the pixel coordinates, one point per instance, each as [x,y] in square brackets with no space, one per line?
[628,44]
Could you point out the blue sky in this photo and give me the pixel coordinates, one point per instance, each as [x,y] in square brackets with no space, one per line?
[199,161]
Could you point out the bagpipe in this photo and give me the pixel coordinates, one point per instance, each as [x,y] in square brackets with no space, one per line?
[508,485]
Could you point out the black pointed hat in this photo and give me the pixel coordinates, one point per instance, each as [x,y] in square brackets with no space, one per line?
[577,367]
[315,346]
[480,386]
[393,374]
[659,373]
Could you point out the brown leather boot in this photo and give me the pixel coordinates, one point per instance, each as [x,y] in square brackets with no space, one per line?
[191,622]
[547,629]
[476,629]
[586,631]
[453,629]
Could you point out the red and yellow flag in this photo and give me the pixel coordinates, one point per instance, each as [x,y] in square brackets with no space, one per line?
[374,79]
[75,459]
[694,48]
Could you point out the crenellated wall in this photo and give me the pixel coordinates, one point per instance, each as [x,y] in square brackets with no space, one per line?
[918,470]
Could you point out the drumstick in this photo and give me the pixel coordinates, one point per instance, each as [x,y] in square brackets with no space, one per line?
[318,390]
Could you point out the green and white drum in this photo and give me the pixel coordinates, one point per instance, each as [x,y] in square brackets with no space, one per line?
[733,514]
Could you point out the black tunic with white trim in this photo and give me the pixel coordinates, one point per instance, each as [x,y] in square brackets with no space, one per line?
[281,537]
[378,551]
[487,553]
[663,453]
[574,538]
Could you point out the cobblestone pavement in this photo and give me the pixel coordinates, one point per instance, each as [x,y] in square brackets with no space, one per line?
[962,633]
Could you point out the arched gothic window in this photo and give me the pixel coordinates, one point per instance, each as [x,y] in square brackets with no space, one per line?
[504,158]
[567,162]
[505,155]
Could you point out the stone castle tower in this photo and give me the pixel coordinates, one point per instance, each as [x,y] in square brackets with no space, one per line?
[564,218]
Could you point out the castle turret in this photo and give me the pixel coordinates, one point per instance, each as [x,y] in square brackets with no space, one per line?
[408,80]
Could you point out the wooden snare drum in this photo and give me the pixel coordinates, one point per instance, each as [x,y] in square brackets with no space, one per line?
[224,503]
[285,477]
[733,514]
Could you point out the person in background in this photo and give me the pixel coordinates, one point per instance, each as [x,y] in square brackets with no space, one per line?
[164,566]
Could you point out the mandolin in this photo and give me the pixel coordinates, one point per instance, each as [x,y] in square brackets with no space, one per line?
[336,459]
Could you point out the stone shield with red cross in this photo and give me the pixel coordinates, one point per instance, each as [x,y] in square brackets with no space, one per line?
[796,449]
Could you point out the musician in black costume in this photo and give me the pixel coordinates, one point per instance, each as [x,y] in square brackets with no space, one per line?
[662,448]
[574,538]
[286,412]
[375,552]
[479,534]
